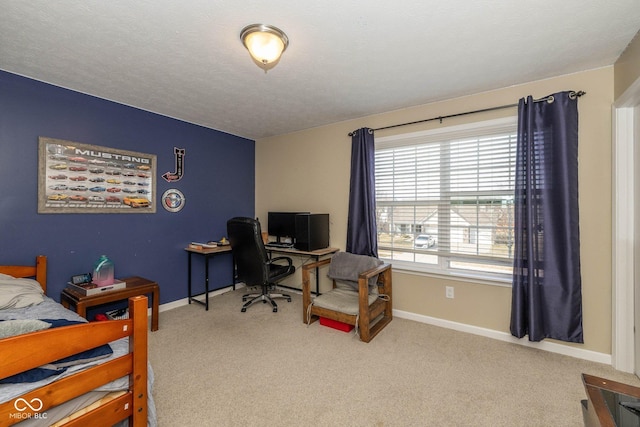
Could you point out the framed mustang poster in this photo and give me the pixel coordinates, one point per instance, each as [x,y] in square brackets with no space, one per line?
[83,178]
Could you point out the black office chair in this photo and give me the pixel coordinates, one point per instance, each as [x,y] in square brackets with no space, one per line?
[253,265]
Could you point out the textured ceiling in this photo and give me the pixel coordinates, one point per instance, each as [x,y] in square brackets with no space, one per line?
[346,59]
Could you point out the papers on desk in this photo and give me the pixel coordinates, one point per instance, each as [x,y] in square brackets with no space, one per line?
[198,245]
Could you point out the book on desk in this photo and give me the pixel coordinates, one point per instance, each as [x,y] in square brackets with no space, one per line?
[88,289]
[198,245]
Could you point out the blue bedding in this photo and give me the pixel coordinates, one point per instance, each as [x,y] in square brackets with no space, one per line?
[49,309]
[59,366]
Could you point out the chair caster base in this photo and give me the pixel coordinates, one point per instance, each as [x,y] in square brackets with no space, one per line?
[265,297]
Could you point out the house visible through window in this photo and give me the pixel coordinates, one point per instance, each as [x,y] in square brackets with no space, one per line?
[444,199]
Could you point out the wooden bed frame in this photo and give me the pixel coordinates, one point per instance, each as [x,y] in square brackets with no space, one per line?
[28,351]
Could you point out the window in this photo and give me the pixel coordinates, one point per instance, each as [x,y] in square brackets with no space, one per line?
[444,199]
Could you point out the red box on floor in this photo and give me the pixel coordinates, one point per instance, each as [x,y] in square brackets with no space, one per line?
[344,327]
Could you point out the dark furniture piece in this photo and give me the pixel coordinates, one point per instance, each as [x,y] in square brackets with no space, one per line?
[610,403]
[136,286]
[207,253]
[312,232]
[253,265]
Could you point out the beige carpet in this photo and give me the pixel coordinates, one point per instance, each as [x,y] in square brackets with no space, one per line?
[259,368]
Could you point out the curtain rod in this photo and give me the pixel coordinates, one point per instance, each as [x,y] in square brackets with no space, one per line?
[501,107]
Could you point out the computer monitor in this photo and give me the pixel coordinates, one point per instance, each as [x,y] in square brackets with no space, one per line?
[282,225]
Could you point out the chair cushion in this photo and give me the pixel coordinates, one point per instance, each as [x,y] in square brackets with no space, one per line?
[345,268]
[342,300]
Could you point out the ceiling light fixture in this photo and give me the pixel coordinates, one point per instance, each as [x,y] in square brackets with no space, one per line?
[265,43]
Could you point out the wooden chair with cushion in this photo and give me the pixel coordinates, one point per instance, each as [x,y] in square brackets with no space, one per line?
[361,294]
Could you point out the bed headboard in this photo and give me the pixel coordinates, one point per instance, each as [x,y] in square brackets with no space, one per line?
[37,271]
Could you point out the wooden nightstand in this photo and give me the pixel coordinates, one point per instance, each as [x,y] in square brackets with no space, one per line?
[135,286]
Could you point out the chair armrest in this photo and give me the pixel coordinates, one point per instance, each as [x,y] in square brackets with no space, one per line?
[306,287]
[383,272]
[316,264]
[374,271]
[280,258]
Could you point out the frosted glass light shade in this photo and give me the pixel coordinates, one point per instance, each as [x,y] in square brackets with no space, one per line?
[265,43]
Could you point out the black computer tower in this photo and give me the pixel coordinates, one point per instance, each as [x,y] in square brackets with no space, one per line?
[312,231]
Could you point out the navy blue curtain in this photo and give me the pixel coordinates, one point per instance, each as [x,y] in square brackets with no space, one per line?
[362,236]
[547,289]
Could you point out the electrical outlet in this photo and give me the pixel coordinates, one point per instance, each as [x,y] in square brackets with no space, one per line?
[449,291]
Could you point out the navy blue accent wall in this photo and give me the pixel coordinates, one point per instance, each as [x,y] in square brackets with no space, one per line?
[218,183]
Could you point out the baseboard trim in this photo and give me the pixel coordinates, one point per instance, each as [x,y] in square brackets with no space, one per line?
[503,336]
[461,327]
[185,301]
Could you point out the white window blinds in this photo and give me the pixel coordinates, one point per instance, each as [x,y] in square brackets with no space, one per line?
[444,199]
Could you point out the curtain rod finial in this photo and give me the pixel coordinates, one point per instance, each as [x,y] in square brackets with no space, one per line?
[578,94]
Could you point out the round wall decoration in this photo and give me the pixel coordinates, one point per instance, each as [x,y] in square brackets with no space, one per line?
[173,200]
